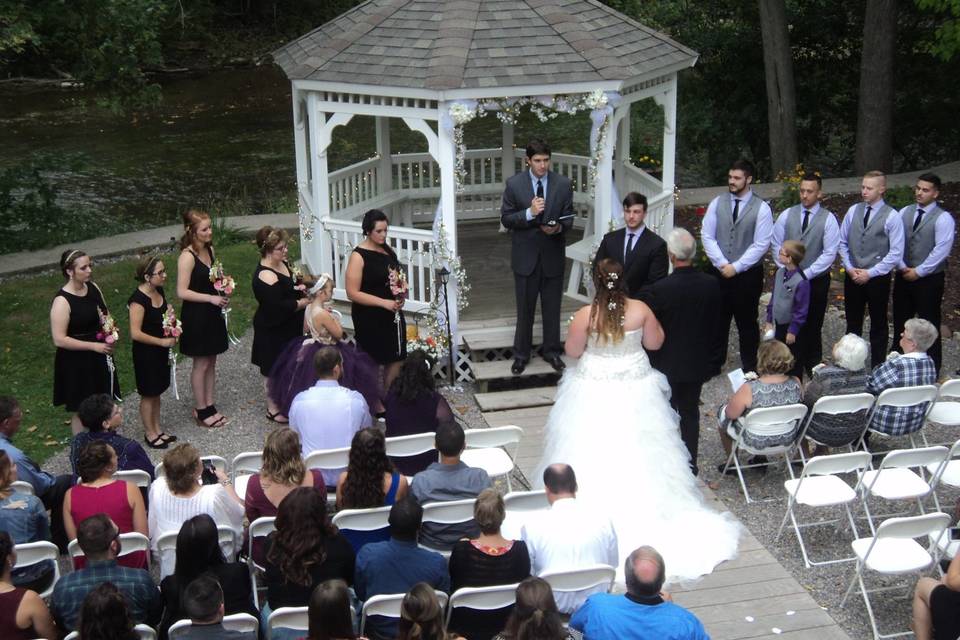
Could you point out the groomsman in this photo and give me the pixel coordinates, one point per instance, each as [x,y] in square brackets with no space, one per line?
[928,234]
[735,234]
[817,228]
[642,252]
[871,244]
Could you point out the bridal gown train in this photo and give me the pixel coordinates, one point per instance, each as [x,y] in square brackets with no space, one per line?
[612,422]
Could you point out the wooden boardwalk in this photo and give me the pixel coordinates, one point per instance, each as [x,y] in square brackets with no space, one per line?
[751,596]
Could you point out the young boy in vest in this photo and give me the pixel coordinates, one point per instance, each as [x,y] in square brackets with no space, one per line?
[787,310]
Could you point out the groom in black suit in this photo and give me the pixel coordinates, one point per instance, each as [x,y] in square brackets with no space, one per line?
[642,252]
[538,209]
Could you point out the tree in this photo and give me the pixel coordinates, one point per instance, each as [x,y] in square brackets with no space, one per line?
[874,149]
[947,34]
[781,94]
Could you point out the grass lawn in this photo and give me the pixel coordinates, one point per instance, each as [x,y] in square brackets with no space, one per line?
[27,356]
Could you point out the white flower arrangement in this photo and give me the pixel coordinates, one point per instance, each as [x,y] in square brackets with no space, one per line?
[596,99]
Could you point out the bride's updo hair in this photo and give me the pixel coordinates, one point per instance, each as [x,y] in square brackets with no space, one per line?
[609,304]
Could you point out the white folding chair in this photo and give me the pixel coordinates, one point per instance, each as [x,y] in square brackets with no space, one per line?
[837,406]
[581,579]
[229,539]
[129,543]
[946,410]
[902,398]
[295,618]
[167,552]
[361,520]
[413,445]
[519,505]
[388,606]
[31,553]
[248,462]
[328,459]
[139,477]
[895,479]
[450,512]
[486,449]
[19,486]
[764,422]
[893,551]
[218,461]
[949,472]
[259,528]
[482,598]
[145,632]
[242,622]
[819,486]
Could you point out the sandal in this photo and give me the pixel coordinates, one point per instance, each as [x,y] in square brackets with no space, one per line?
[204,415]
[167,438]
[156,443]
[272,417]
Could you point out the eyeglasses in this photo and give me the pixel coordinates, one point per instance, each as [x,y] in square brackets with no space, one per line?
[162,272]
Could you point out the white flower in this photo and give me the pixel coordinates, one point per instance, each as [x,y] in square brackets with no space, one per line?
[596,99]
[461,114]
[611,305]
[610,285]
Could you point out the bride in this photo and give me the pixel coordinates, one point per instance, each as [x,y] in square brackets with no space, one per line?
[612,422]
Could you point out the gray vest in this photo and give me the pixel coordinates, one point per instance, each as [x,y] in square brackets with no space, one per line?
[783,293]
[735,239]
[869,246]
[812,238]
[918,244]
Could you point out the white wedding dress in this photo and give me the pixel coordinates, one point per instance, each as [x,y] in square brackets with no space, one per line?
[612,422]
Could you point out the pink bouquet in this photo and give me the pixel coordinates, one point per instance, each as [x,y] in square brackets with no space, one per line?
[172,327]
[108,328]
[398,284]
[222,282]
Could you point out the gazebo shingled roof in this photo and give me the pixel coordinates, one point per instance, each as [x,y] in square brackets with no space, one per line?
[468,44]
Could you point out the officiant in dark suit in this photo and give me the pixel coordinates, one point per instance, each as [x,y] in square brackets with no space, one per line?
[537,208]
[642,252]
[686,303]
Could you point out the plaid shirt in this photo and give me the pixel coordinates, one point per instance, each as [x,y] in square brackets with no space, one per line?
[135,584]
[905,371]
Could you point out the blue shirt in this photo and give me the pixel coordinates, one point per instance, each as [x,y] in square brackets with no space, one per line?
[393,567]
[130,455]
[27,469]
[25,519]
[135,584]
[605,615]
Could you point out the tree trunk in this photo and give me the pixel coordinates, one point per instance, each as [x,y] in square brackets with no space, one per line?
[781,94]
[875,109]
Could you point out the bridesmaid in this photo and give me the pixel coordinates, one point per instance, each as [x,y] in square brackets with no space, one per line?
[204,334]
[374,308]
[279,316]
[80,367]
[151,361]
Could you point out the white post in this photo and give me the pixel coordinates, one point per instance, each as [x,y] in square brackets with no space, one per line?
[602,195]
[668,101]
[623,150]
[446,156]
[385,168]
[318,255]
[507,158]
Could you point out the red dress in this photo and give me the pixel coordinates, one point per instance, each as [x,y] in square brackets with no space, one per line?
[110,499]
[9,603]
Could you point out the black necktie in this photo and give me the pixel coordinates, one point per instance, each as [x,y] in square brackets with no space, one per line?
[866,217]
[736,209]
[539,189]
[916,223]
[630,239]
[806,220]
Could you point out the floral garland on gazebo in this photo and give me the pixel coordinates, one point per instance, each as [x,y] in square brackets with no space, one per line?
[545,108]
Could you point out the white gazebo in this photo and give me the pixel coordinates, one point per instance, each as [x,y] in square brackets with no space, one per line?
[436,64]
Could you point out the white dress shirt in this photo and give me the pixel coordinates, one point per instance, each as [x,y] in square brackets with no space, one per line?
[894,230]
[943,234]
[831,241]
[569,535]
[533,184]
[761,234]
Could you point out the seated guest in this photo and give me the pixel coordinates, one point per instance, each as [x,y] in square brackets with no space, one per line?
[911,369]
[789,301]
[569,534]
[327,415]
[370,479]
[179,495]
[23,614]
[97,492]
[304,551]
[847,375]
[100,541]
[772,388]
[203,604]
[421,616]
[414,406]
[449,479]
[50,489]
[106,616]
[535,615]
[329,612]
[23,517]
[397,564]
[644,612]
[936,605]
[281,472]
[199,552]
[486,561]
[102,417]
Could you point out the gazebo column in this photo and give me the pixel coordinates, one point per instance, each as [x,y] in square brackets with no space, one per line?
[506,150]
[385,168]
[446,158]
[668,100]
[623,151]
[602,188]
[320,254]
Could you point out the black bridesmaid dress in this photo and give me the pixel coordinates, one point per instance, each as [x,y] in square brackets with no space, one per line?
[151,363]
[277,320]
[374,327]
[204,331]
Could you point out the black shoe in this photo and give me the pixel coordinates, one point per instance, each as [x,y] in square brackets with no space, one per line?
[731,470]
[518,367]
[759,460]
[555,362]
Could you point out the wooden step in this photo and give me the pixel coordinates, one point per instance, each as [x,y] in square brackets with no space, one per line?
[484,372]
[516,399]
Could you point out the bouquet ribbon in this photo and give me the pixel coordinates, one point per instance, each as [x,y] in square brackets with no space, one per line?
[234,340]
[111,368]
[172,359]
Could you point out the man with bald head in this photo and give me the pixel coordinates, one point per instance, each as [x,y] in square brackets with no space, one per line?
[569,535]
[645,612]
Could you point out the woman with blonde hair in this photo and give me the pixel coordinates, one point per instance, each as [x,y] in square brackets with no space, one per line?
[281,471]
[612,422]
[204,334]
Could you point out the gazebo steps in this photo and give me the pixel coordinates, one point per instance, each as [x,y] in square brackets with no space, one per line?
[485,372]
[516,399]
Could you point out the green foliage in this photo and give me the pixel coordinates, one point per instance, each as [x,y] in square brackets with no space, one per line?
[17,21]
[899,197]
[946,44]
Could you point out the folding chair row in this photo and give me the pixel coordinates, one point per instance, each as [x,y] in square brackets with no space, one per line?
[144,632]
[242,622]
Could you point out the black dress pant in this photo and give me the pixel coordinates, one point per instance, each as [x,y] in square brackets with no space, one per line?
[685,400]
[811,333]
[52,499]
[796,349]
[550,292]
[741,299]
[921,298]
[875,295]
